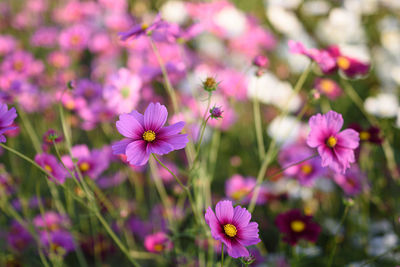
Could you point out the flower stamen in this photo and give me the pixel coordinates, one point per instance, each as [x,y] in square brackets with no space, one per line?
[149,136]
[297,226]
[230,230]
[331,142]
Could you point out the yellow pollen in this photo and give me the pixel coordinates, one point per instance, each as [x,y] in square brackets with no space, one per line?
[327,86]
[297,226]
[149,136]
[48,168]
[237,195]
[365,136]
[343,63]
[144,26]
[306,168]
[331,142]
[158,247]
[230,230]
[84,166]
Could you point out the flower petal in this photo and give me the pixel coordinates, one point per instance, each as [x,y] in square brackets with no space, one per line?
[120,146]
[224,211]
[348,138]
[128,126]
[241,217]
[249,235]
[171,130]
[334,121]
[160,147]
[177,141]
[155,116]
[212,221]
[137,153]
[237,250]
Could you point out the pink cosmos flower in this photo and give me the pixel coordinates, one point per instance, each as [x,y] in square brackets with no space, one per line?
[158,242]
[328,87]
[335,148]
[7,117]
[145,134]
[353,182]
[122,91]
[240,189]
[74,38]
[51,164]
[232,226]
[143,29]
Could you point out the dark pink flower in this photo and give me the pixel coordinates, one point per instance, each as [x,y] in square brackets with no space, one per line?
[146,134]
[335,148]
[51,164]
[353,182]
[295,226]
[349,66]
[7,117]
[232,226]
[158,242]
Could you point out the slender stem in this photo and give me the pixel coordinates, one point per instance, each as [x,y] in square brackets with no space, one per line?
[203,127]
[31,132]
[167,82]
[387,149]
[222,254]
[346,210]
[173,174]
[258,125]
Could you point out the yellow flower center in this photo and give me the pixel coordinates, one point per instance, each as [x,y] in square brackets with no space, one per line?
[48,168]
[331,142]
[327,86]
[75,39]
[158,247]
[343,63]
[149,136]
[365,136]
[230,230]
[239,194]
[18,65]
[144,26]
[84,166]
[306,168]
[125,92]
[297,226]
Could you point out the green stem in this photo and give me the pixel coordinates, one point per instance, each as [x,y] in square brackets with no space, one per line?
[387,149]
[332,255]
[31,132]
[167,82]
[222,254]
[258,125]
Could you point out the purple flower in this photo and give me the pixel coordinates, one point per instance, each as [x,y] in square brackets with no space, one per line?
[7,117]
[90,163]
[232,226]
[353,182]
[335,148]
[59,242]
[145,134]
[51,164]
[18,237]
[216,112]
[143,29]
[295,226]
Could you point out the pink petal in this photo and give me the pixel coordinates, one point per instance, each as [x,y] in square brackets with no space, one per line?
[139,117]
[224,211]
[212,221]
[137,153]
[241,217]
[334,121]
[249,235]
[160,147]
[348,138]
[237,250]
[120,146]
[171,130]
[326,154]
[177,141]
[128,126]
[155,116]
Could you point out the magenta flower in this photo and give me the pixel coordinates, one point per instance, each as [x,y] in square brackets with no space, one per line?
[353,182]
[335,148]
[232,226]
[295,226]
[158,242]
[51,164]
[145,134]
[328,87]
[7,117]
[143,29]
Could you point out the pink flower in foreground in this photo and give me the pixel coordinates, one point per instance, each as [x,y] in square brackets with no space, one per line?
[232,226]
[335,148]
[146,134]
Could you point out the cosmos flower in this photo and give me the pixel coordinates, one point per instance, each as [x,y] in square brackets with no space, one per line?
[7,117]
[328,87]
[146,134]
[143,29]
[349,66]
[232,226]
[239,189]
[51,165]
[58,242]
[335,148]
[353,182]
[157,243]
[295,226]
[18,237]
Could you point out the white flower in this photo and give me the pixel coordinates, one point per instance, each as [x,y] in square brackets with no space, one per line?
[232,20]
[270,90]
[284,129]
[383,105]
[174,11]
